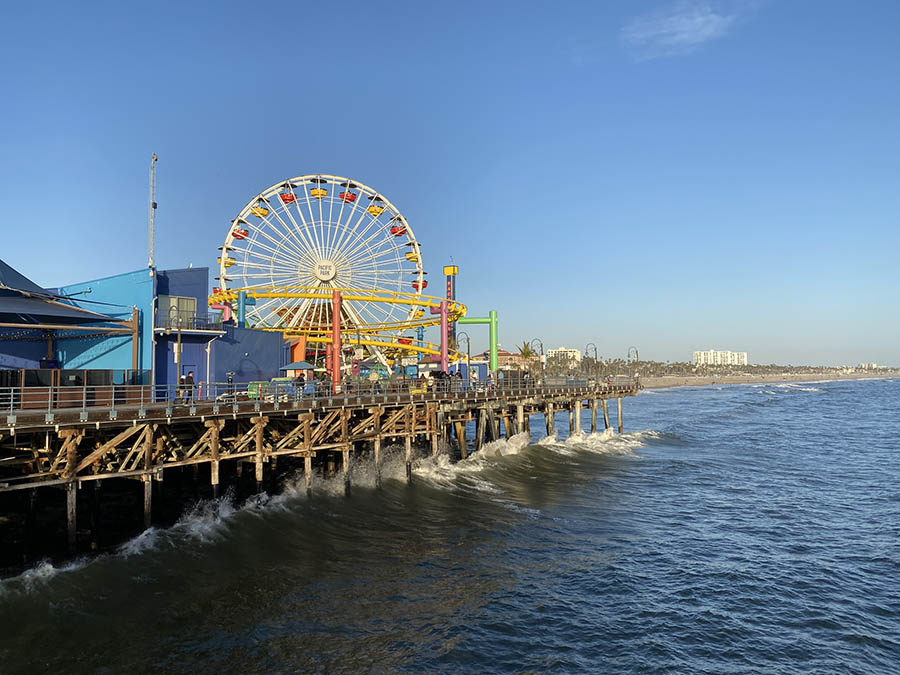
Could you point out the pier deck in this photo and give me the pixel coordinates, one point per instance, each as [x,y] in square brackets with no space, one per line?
[67,447]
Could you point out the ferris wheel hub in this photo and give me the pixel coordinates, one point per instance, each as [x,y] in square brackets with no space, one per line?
[325,270]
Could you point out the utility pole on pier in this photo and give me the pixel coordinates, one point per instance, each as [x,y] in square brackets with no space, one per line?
[151,218]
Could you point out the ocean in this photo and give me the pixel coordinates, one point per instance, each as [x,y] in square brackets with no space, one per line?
[731,529]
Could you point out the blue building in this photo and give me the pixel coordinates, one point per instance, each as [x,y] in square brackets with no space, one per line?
[170,331]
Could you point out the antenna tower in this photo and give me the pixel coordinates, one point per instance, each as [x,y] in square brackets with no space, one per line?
[151,218]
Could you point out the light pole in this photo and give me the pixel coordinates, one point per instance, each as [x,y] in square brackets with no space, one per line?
[459,336]
[540,342]
[596,357]
[637,360]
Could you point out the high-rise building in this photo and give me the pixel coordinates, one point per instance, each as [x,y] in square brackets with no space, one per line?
[714,357]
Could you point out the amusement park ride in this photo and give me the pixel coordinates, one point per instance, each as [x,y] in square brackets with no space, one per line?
[316,257]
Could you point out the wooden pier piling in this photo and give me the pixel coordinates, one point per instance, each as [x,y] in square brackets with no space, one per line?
[143,443]
[408,440]
[619,406]
[461,440]
[307,471]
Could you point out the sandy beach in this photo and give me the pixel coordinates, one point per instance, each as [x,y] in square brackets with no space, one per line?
[695,381]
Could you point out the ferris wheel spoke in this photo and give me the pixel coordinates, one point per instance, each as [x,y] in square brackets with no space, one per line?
[287,313]
[290,229]
[281,240]
[278,250]
[284,237]
[270,257]
[304,228]
[350,231]
[364,245]
[255,261]
[354,206]
[369,257]
[310,226]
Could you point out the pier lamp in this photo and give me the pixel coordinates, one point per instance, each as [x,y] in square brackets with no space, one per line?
[459,336]
[637,359]
[531,344]
[587,349]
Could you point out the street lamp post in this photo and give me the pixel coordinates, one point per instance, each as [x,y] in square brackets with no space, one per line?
[637,361]
[596,357]
[541,343]
[459,336]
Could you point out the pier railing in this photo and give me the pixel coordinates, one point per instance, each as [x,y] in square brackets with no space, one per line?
[74,403]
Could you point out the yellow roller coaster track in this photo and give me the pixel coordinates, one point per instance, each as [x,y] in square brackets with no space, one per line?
[372,332]
[455,310]
[387,344]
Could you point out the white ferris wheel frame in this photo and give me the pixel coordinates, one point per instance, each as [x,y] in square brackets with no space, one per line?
[323,242]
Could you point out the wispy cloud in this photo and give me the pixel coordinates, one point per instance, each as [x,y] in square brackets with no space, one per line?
[682,27]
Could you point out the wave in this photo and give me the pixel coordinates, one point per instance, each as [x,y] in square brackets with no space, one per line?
[796,387]
[38,576]
[210,521]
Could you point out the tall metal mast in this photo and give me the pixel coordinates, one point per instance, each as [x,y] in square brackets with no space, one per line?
[151,218]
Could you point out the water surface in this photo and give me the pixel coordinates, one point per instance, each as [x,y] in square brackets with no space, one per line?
[733,529]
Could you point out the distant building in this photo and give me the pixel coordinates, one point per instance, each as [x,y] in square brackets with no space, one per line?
[714,357]
[565,354]
[507,359]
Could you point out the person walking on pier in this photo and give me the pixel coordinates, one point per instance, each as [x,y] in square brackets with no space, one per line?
[189,387]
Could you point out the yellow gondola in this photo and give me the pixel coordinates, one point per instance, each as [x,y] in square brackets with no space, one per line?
[228,261]
[318,193]
[411,256]
[420,313]
[260,211]
[375,210]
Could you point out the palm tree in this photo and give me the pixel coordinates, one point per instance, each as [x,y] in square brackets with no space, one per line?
[525,351]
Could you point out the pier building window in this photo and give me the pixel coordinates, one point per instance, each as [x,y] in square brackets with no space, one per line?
[175,311]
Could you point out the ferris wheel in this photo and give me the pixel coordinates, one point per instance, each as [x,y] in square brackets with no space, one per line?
[322,232]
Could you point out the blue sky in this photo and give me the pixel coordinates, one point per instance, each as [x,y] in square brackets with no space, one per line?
[673,175]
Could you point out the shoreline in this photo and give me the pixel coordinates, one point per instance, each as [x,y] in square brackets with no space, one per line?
[667,381]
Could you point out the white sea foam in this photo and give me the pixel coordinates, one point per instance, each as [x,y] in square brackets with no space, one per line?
[209,521]
[39,575]
[204,522]
[796,387]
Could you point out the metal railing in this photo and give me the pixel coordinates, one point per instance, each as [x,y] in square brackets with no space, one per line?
[180,400]
[174,320]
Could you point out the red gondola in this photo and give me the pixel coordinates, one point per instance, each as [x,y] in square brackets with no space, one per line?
[405,340]
[348,196]
[240,234]
[398,230]
[287,197]
[419,287]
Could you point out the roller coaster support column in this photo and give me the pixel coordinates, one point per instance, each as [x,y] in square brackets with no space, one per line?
[445,352]
[420,338]
[445,338]
[492,322]
[335,341]
[451,271]
[242,308]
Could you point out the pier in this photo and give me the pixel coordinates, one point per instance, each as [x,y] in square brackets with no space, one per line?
[68,448]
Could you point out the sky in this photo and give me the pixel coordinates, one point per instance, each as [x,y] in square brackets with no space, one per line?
[673,176]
